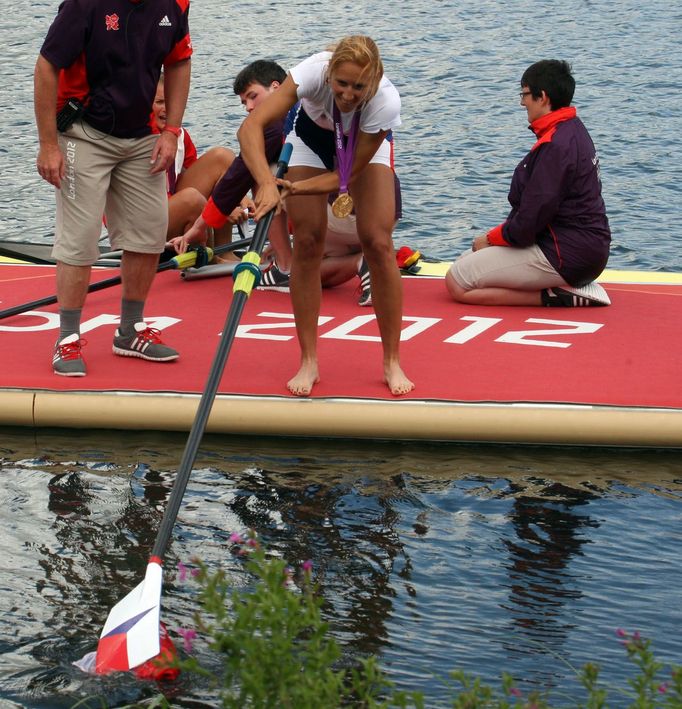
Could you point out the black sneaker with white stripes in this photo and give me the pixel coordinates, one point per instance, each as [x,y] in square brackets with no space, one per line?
[144,343]
[365,298]
[274,279]
[567,297]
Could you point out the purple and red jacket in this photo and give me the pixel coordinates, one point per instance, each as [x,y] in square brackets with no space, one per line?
[110,54]
[556,200]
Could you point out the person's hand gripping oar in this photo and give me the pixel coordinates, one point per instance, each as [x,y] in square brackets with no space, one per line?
[130,635]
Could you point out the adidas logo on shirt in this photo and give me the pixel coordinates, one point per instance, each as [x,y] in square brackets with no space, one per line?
[165,22]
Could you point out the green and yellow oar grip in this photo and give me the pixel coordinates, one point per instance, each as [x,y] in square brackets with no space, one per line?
[189,258]
[247,273]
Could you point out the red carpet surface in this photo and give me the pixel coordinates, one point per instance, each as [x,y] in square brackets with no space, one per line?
[623,355]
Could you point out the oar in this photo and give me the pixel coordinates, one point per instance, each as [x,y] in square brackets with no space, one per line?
[17,253]
[180,261]
[110,258]
[131,633]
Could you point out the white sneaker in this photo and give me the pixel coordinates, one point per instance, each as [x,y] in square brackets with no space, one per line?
[568,297]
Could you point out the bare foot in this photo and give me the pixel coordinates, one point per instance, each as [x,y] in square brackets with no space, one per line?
[396,380]
[302,383]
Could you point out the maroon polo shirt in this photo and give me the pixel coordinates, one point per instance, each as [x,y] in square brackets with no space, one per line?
[110,54]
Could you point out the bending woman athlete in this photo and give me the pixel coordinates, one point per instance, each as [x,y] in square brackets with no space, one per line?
[348,108]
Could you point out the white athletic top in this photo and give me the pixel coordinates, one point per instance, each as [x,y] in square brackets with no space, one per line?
[175,170]
[381,113]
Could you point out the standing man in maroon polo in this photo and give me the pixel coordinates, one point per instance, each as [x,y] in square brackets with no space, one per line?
[97,74]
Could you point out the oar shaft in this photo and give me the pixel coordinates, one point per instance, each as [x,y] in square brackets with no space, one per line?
[183,261]
[200,420]
[232,246]
[207,398]
[196,433]
[50,299]
[17,253]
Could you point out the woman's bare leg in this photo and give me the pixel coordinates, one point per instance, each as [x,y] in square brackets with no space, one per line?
[373,193]
[309,216]
[183,209]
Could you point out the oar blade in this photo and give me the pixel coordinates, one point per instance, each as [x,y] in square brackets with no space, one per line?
[131,633]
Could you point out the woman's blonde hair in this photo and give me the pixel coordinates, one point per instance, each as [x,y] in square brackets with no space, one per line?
[363,52]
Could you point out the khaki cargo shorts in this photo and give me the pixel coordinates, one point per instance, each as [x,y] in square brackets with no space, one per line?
[108,175]
[505,267]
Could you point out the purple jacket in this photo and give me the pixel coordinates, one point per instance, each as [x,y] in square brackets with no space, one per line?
[556,200]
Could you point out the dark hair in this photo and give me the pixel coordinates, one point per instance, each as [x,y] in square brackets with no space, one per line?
[553,76]
[262,71]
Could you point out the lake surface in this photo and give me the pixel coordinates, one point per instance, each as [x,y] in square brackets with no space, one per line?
[457,66]
[433,557]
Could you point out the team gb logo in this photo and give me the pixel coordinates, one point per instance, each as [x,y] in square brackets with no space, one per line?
[112,22]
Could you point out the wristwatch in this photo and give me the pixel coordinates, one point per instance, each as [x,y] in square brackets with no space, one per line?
[172,129]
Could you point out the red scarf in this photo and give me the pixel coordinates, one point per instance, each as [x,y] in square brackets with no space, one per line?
[545,126]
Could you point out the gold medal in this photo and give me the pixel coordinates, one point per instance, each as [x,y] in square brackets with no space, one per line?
[342,206]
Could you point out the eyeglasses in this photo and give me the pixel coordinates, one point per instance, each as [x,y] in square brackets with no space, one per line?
[523,94]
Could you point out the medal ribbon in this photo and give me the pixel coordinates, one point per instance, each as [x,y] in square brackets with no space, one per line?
[345,148]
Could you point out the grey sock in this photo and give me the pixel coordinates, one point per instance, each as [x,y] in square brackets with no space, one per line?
[131,313]
[69,322]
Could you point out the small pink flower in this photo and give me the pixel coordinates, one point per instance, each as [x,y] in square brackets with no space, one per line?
[251,542]
[288,577]
[235,538]
[188,636]
[182,571]
[663,688]
[307,566]
[515,691]
[195,573]
[621,633]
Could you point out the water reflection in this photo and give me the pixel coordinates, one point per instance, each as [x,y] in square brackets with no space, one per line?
[550,530]
[432,557]
[347,530]
[549,534]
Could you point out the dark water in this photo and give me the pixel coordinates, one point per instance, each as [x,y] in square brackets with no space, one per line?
[482,558]
[432,557]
